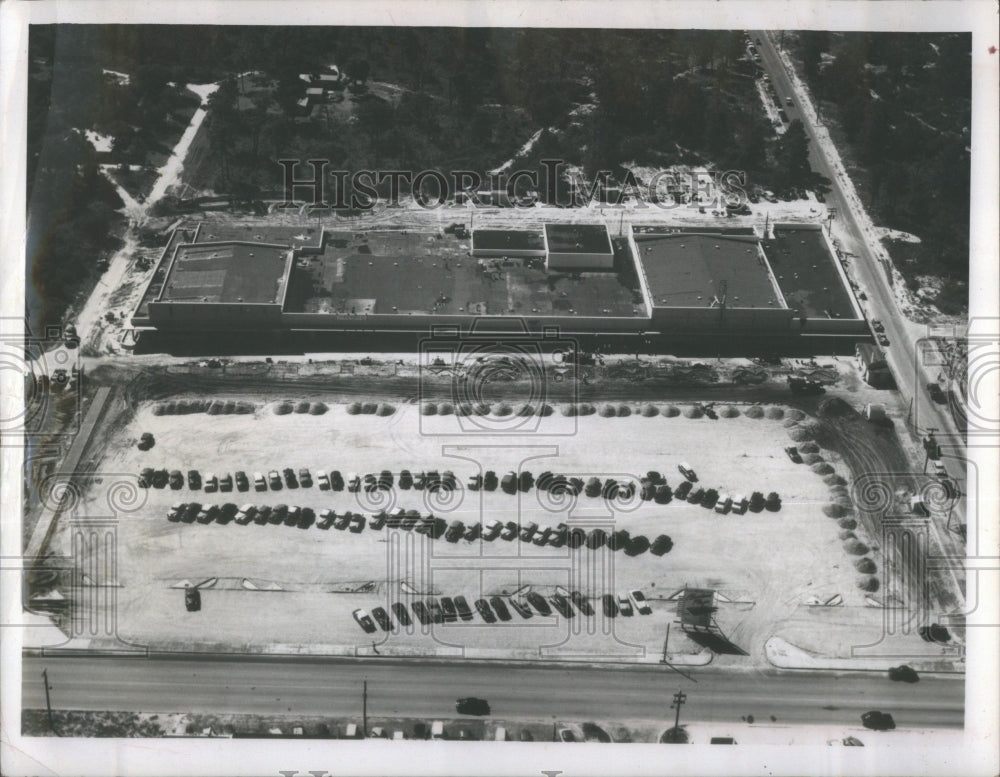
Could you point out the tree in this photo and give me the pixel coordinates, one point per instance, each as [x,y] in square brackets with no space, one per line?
[792,156]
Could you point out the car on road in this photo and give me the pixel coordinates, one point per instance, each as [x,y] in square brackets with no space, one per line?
[399,610]
[878,721]
[685,469]
[421,612]
[877,325]
[883,340]
[903,674]
[194,479]
[793,454]
[500,608]
[565,735]
[382,618]
[936,394]
[788,101]
[609,605]
[463,609]
[537,601]
[582,603]
[364,620]
[562,605]
[639,602]
[470,705]
[484,610]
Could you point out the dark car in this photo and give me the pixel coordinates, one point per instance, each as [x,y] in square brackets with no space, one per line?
[194,479]
[226,482]
[305,478]
[936,393]
[341,521]
[336,481]
[307,518]
[421,612]
[609,605]
[521,609]
[538,602]
[473,532]
[683,489]
[509,532]
[462,606]
[883,340]
[326,519]
[877,325]
[399,610]
[561,603]
[434,609]
[449,609]
[176,479]
[242,481]
[192,599]
[263,515]
[358,522]
[484,610]
[878,721]
[290,480]
[793,454]
[472,706]
[382,618]
[903,674]
[501,609]
[582,603]
[455,531]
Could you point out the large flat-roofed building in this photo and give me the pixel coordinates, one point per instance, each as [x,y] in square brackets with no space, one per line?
[517,243]
[708,281]
[239,283]
[578,247]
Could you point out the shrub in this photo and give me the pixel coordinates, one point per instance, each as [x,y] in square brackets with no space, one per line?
[302,407]
[834,479]
[544,410]
[671,411]
[445,408]
[585,408]
[773,502]
[317,408]
[353,409]
[607,411]
[775,413]
[809,447]
[481,408]
[798,434]
[865,566]
[795,414]
[693,412]
[855,547]
[821,468]
[833,510]
[649,411]
[503,409]
[729,412]
[385,409]
[847,523]
[637,545]
[755,411]
[568,410]
[846,534]
[428,408]
[869,584]
[812,458]
[369,408]
[624,411]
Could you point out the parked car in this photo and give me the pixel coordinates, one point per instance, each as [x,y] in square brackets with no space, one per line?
[323,481]
[756,502]
[878,721]
[434,609]
[263,515]
[207,513]
[473,532]
[500,608]
[421,612]
[305,478]
[463,609]
[357,524]
[625,605]
[582,603]
[685,469]
[274,480]
[903,673]
[307,518]
[724,504]
[226,482]
[883,340]
[325,519]
[342,521]
[936,394]
[176,511]
[449,609]
[528,531]
[245,514]
[289,475]
[542,538]
[194,479]
[259,483]
[565,735]
[492,530]
[520,608]
[793,454]
[191,512]
[382,618]
[877,325]
[696,496]
[455,531]
[509,532]
[336,481]
[559,534]
[242,481]
[472,706]
[484,610]
[739,504]
[364,620]
[609,606]
[176,479]
[292,516]
[192,599]
[537,601]
[353,483]
[682,490]
[562,605]
[399,610]
[639,602]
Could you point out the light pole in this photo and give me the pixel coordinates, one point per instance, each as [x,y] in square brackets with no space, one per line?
[679,698]
[48,701]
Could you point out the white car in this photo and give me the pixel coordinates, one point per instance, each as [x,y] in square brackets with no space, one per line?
[259,483]
[639,602]
[211,483]
[624,605]
[687,471]
[353,482]
[323,481]
[724,503]
[739,504]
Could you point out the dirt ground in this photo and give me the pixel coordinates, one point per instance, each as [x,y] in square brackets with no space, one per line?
[286,589]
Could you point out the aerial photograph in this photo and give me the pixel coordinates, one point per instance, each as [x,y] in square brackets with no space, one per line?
[513,384]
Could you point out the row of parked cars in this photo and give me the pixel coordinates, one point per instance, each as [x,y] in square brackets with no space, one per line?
[290,478]
[412,520]
[449,609]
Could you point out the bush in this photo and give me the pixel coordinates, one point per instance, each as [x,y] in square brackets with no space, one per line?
[445,408]
[795,414]
[607,411]
[789,423]
[812,458]
[317,408]
[775,413]
[585,408]
[624,411]
[832,510]
[385,409]
[869,584]
[229,407]
[302,407]
[834,480]
[568,410]
[244,408]
[693,412]
[821,468]
[855,547]
[671,411]
[525,410]
[481,408]
[865,565]
[661,545]
[755,411]
[637,545]
[618,540]
[369,408]
[773,502]
[353,409]
[649,411]
[809,447]
[503,409]
[847,523]
[846,534]
[428,408]
[798,434]
[545,410]
[729,412]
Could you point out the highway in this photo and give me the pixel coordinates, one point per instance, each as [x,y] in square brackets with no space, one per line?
[426,690]
[901,353]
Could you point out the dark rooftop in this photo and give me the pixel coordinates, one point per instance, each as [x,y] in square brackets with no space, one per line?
[507,239]
[225,272]
[685,270]
[578,238]
[293,237]
[805,271]
[402,273]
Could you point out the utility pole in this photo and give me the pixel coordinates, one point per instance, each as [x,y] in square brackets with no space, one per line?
[679,698]
[666,641]
[364,711]
[48,701]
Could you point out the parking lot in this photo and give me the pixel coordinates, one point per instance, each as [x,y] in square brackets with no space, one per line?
[278,587]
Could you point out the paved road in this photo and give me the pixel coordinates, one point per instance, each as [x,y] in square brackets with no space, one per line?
[398,688]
